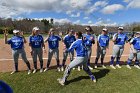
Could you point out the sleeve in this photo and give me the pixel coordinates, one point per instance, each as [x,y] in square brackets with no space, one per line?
[114,36]
[29,39]
[72,47]
[126,38]
[42,39]
[9,41]
[132,41]
[98,38]
[59,38]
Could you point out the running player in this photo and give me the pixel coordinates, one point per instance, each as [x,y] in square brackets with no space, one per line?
[81,59]
[36,43]
[53,43]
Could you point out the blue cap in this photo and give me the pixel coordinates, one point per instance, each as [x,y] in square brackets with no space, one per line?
[4,88]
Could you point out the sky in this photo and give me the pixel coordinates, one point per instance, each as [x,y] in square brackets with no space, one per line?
[83,12]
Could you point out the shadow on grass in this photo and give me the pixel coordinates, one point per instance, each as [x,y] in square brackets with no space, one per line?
[100,74]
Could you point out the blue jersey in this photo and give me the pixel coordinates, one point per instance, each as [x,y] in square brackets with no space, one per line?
[79,47]
[16,42]
[53,41]
[121,39]
[103,40]
[136,43]
[36,41]
[88,39]
[68,40]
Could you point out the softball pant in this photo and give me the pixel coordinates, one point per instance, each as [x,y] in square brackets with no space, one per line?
[15,54]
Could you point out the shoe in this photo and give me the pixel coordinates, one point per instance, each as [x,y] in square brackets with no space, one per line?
[61,82]
[103,66]
[79,68]
[62,68]
[112,66]
[34,71]
[73,68]
[46,69]
[41,70]
[13,72]
[90,67]
[58,69]
[137,66]
[118,66]
[93,79]
[128,66]
[29,72]
[95,66]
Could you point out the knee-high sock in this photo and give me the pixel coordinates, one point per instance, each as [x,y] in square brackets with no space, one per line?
[112,60]
[118,60]
[96,60]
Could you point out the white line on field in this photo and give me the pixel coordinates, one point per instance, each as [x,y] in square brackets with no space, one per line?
[8,59]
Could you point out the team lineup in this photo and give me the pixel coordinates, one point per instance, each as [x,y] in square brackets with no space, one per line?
[78,42]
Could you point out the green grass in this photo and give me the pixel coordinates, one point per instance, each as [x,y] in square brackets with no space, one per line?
[10,35]
[108,81]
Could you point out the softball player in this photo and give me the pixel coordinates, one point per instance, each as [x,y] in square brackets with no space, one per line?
[134,51]
[102,45]
[68,40]
[53,42]
[81,59]
[119,40]
[89,41]
[36,43]
[17,45]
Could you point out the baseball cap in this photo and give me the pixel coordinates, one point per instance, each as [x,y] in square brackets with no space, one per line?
[15,31]
[5,88]
[120,28]
[105,29]
[137,32]
[36,28]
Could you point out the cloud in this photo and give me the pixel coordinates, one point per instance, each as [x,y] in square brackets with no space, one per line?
[111,9]
[76,22]
[75,15]
[126,1]
[134,4]
[86,18]
[89,22]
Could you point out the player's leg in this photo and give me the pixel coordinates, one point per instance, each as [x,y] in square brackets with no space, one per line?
[24,58]
[40,56]
[89,56]
[103,52]
[119,56]
[56,53]
[15,55]
[130,58]
[34,56]
[65,54]
[98,52]
[114,54]
[77,61]
[137,60]
[50,54]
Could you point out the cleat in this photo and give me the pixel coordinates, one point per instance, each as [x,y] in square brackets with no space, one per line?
[118,66]
[62,68]
[137,66]
[95,66]
[58,69]
[79,68]
[90,67]
[41,70]
[73,68]
[128,66]
[46,69]
[112,66]
[34,71]
[29,72]
[93,79]
[103,66]
[13,72]
[61,82]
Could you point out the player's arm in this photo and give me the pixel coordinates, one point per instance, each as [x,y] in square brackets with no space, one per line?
[22,35]
[72,47]
[5,36]
[115,37]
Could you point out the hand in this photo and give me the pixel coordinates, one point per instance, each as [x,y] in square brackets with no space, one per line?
[21,33]
[5,32]
[32,52]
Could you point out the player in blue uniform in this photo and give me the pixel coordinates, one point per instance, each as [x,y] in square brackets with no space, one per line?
[90,39]
[36,43]
[102,45]
[53,43]
[81,59]
[68,40]
[119,40]
[134,51]
[17,46]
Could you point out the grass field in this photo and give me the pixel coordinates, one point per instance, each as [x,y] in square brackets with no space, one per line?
[108,81]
